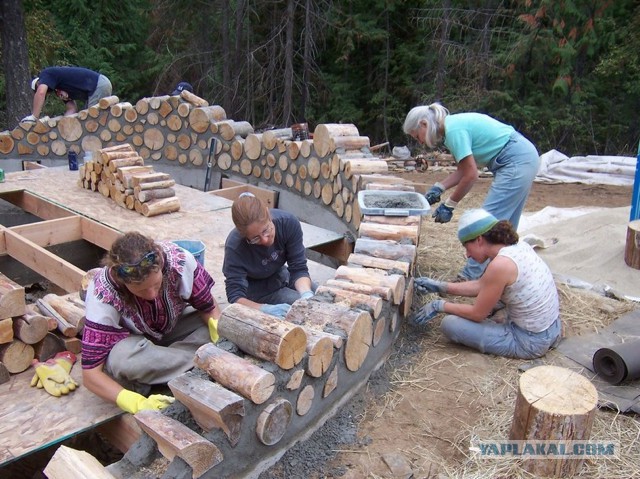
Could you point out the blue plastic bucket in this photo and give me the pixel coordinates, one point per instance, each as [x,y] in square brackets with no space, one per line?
[195,247]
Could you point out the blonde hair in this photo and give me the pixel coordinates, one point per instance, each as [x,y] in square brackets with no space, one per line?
[248,209]
[433,115]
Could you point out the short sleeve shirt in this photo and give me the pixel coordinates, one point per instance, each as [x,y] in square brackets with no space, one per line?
[78,82]
[475,134]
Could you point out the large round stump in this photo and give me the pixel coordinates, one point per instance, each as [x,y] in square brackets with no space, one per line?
[553,404]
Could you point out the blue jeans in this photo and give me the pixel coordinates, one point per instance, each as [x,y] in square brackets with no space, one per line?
[503,339]
[514,170]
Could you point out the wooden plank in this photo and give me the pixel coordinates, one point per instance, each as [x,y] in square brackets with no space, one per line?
[38,420]
[315,236]
[99,234]
[121,432]
[339,249]
[36,205]
[51,232]
[52,267]
[32,165]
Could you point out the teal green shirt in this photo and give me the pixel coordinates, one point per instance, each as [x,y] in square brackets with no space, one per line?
[475,134]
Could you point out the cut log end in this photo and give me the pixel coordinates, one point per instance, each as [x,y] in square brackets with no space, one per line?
[292,348]
[320,355]
[273,421]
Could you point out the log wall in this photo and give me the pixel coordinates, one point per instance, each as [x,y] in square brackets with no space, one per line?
[271,381]
[178,131]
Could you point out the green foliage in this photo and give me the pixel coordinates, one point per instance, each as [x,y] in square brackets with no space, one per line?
[104,36]
[565,73]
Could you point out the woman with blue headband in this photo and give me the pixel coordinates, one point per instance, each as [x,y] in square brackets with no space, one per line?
[515,277]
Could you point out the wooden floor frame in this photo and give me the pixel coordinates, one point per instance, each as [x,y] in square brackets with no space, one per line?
[27,243]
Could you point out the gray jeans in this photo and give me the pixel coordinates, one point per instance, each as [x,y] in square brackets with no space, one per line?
[103,89]
[503,339]
[137,363]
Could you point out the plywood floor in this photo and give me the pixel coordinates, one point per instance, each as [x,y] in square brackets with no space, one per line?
[31,419]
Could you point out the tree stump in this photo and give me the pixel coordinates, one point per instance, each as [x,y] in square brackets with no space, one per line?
[553,404]
[632,248]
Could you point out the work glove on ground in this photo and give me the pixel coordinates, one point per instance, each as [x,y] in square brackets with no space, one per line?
[133,402]
[279,310]
[28,119]
[433,195]
[443,214]
[428,312]
[426,285]
[213,329]
[53,374]
[307,294]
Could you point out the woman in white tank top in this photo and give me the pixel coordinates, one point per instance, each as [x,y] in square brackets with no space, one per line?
[515,277]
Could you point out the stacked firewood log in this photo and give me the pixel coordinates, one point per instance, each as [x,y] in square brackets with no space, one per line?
[36,331]
[119,173]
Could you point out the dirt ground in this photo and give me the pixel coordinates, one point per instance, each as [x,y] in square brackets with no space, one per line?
[420,411]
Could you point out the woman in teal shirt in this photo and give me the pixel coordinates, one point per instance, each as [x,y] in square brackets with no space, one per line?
[476,141]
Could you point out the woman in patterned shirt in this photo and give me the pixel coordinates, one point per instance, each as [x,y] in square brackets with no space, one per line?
[147,311]
[515,276]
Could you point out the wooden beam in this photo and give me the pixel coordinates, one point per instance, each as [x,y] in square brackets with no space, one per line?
[51,232]
[36,205]
[99,234]
[121,432]
[52,267]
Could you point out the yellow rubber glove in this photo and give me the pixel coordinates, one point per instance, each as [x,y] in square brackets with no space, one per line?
[66,359]
[213,330]
[133,402]
[53,374]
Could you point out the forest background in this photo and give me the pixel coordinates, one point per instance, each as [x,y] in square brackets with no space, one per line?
[564,72]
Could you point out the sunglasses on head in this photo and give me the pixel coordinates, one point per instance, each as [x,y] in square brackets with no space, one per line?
[149,259]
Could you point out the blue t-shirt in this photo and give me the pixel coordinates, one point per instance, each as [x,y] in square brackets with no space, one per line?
[475,134]
[253,271]
[78,82]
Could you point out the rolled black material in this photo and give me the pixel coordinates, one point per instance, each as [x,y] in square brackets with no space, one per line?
[618,363]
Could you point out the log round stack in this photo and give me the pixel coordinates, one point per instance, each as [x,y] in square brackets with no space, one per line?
[119,173]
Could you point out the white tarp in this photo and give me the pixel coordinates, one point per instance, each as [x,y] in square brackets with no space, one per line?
[555,167]
[584,247]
